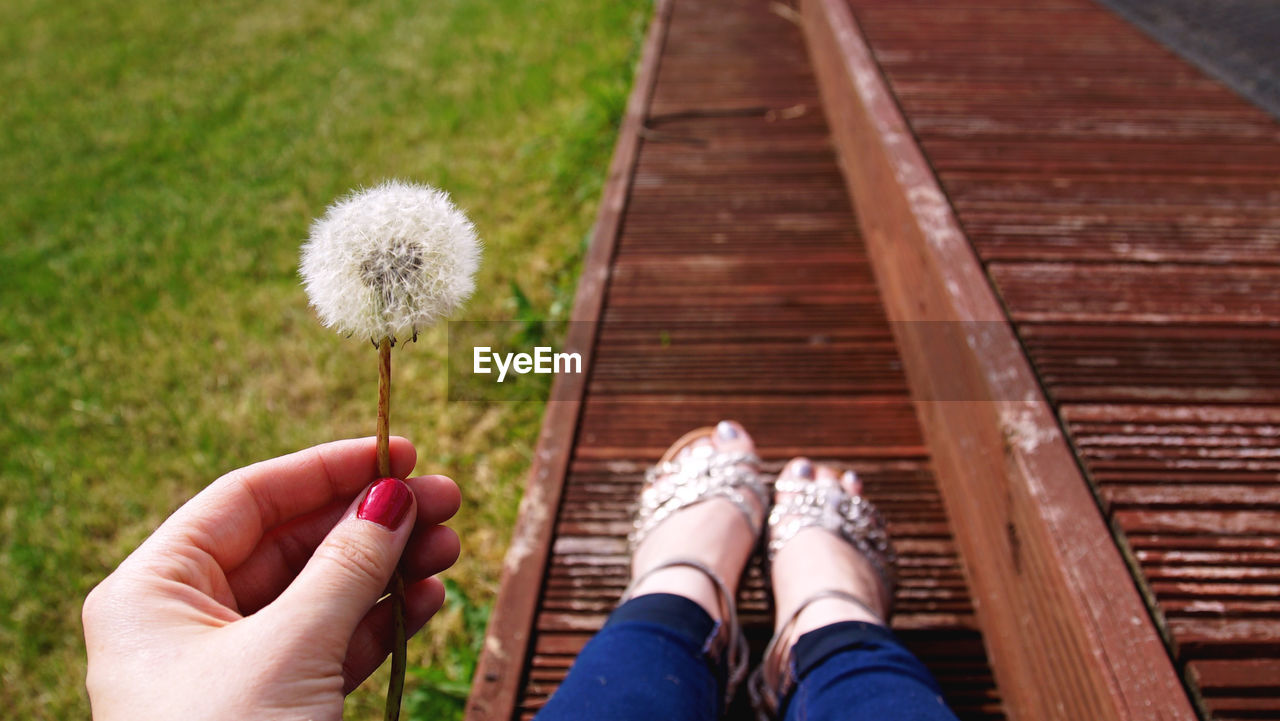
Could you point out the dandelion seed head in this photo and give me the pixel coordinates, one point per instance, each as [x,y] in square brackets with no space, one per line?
[389,260]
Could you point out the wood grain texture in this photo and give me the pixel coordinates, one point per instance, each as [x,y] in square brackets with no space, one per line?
[1127,208]
[737,287]
[1069,635]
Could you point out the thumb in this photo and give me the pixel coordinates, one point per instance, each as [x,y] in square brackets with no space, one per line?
[350,570]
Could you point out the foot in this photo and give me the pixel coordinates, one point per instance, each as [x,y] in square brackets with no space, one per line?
[714,532]
[816,559]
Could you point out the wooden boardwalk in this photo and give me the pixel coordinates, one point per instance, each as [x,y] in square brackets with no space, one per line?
[1078,453]
[1126,208]
[737,287]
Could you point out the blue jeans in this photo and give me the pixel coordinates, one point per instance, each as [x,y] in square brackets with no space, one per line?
[650,662]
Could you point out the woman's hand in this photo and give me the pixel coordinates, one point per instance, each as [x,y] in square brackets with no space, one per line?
[259,597]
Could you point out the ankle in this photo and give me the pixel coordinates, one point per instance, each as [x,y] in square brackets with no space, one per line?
[828,611]
[682,581]
[814,562]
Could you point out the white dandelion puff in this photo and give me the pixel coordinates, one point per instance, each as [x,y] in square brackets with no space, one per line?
[389,261]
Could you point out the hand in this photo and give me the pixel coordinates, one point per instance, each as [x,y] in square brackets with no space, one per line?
[259,597]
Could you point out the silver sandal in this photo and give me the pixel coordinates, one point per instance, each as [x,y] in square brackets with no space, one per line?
[673,485]
[825,504]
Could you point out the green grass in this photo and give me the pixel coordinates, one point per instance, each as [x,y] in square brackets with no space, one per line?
[161,164]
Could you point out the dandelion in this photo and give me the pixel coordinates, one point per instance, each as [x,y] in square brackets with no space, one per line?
[384,263]
[389,261]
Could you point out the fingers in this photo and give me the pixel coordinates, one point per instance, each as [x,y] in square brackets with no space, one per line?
[229,518]
[349,570]
[372,640]
[287,548]
[431,550]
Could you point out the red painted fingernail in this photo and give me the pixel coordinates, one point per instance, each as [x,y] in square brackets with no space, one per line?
[387,503]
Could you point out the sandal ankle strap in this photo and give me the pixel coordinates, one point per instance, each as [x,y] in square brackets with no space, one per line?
[820,503]
[729,637]
[772,680]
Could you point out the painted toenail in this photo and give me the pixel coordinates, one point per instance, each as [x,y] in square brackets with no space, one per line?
[726,431]
[802,468]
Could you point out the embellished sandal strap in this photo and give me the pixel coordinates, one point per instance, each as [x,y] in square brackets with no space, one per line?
[729,634]
[825,504]
[674,485]
[772,680]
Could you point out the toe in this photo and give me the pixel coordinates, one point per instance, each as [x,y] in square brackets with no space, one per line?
[827,472]
[700,447]
[850,482]
[800,468]
[731,437]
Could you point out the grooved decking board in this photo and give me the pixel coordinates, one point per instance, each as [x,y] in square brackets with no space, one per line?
[1127,210]
[737,287]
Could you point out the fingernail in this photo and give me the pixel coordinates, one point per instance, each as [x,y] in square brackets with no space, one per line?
[387,503]
[725,430]
[803,468]
[849,477]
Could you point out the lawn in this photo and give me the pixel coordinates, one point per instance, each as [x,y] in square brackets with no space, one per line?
[161,164]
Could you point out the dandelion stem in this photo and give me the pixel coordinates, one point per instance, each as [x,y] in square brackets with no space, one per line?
[384,408]
[399,653]
[399,650]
